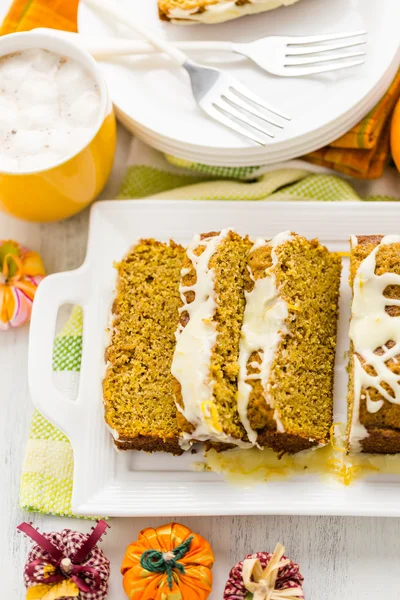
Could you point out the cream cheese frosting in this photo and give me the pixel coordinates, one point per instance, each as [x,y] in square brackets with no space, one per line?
[371,327]
[194,346]
[263,326]
[224,10]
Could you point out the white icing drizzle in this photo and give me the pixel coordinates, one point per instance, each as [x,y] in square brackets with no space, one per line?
[263,325]
[371,327]
[224,10]
[194,346]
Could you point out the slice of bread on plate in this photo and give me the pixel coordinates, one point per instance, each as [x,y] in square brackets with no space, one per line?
[214,11]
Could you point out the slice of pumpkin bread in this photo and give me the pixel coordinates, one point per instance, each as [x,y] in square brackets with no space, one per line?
[288,339]
[139,402]
[205,363]
[213,11]
[374,365]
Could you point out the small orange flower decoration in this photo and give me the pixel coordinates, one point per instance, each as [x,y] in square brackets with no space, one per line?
[21,271]
[168,563]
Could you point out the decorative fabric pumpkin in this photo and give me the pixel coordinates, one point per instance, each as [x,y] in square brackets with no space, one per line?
[168,563]
[21,271]
[66,565]
[265,576]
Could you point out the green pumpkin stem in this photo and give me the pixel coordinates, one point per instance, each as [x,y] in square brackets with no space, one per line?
[9,248]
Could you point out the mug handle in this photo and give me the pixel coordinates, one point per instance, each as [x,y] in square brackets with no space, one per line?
[54,291]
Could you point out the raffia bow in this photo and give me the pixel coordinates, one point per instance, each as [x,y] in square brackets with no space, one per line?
[261,582]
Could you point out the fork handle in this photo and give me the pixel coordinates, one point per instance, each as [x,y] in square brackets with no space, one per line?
[104,5]
[106,47]
[109,47]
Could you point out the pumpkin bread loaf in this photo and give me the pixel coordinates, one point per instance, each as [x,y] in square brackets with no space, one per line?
[230,342]
[138,393]
[254,360]
[287,350]
[205,363]
[374,366]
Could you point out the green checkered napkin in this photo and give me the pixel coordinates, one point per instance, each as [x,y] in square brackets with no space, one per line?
[283,184]
[46,483]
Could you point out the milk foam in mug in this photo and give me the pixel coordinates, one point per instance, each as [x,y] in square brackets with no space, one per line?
[49,105]
[57,128]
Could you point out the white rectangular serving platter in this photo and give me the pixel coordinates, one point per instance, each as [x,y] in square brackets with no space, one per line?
[137,484]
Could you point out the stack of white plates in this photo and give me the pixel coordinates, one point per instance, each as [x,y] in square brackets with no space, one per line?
[153,98]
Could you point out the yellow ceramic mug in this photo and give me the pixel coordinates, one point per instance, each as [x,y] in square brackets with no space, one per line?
[74,182]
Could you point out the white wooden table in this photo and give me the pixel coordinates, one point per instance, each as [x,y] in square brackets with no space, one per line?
[341,558]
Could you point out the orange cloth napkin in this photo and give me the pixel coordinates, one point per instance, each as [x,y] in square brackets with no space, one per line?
[364,150]
[28,14]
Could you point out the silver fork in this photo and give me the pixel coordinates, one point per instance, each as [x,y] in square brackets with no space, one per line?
[220,95]
[228,101]
[305,55]
[280,55]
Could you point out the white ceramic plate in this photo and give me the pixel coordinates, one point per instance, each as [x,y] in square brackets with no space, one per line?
[250,157]
[155,94]
[300,147]
[139,484]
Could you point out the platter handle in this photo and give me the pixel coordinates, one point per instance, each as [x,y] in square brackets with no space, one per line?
[70,287]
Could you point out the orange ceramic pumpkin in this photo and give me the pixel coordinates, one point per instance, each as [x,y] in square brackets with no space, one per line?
[168,563]
[395,135]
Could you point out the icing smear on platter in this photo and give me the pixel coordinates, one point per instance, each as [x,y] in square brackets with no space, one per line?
[224,11]
[331,463]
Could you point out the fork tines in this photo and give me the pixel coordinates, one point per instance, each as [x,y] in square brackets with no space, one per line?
[314,50]
[247,114]
[326,37]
